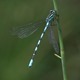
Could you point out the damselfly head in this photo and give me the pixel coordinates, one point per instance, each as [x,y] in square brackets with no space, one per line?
[56,15]
[51,16]
[52,11]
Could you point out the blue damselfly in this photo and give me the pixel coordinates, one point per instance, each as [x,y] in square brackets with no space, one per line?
[26,30]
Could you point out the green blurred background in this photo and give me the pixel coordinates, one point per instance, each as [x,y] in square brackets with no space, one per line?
[15,53]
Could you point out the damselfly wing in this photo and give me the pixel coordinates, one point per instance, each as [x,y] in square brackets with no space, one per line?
[53,40]
[25,30]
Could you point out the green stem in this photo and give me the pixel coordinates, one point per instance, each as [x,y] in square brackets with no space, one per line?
[61,44]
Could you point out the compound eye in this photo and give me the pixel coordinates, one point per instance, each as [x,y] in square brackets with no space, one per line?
[52,11]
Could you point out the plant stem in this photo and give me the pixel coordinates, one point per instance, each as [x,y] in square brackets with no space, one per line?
[61,44]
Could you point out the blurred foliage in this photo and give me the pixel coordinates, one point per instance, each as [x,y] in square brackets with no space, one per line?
[15,53]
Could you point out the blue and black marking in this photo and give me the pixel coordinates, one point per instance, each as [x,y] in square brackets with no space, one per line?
[50,18]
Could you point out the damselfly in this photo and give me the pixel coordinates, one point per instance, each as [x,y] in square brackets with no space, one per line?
[26,30]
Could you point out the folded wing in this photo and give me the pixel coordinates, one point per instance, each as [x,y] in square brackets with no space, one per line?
[53,40]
